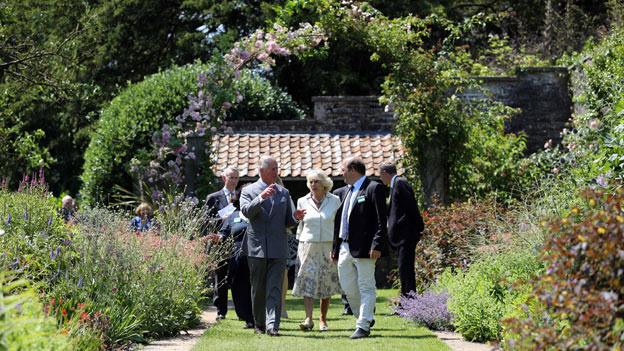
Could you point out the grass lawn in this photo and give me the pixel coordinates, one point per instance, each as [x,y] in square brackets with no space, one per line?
[389,333]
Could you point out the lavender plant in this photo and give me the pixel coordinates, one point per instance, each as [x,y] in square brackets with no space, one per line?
[428,309]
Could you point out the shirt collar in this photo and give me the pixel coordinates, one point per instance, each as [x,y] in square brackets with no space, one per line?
[393,181]
[358,183]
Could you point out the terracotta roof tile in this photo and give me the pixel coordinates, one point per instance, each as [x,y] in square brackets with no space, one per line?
[296,153]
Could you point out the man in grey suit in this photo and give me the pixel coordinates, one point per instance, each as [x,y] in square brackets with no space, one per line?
[268,207]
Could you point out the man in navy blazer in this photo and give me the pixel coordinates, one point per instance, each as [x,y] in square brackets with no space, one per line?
[215,202]
[359,240]
[405,224]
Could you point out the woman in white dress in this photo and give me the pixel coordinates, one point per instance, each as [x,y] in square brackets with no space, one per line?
[317,275]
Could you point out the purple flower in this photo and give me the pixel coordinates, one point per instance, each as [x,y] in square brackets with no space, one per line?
[602,181]
[50,221]
[8,221]
[80,282]
[428,309]
[25,215]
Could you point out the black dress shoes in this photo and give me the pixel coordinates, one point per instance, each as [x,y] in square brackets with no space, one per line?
[260,330]
[220,316]
[273,332]
[372,323]
[249,325]
[347,311]
[360,333]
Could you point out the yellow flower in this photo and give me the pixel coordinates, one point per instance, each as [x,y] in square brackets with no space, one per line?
[575,210]
[601,230]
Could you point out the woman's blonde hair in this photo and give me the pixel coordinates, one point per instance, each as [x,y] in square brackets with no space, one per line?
[144,206]
[326,182]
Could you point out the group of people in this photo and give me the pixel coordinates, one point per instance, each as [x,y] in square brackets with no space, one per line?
[340,237]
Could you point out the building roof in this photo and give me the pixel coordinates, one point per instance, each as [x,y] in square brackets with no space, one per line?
[298,152]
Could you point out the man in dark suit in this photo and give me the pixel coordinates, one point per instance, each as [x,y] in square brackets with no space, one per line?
[215,202]
[404,224]
[359,240]
[268,207]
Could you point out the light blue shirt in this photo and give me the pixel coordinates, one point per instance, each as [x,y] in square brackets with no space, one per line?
[354,189]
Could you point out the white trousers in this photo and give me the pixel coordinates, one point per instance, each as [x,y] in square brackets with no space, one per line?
[357,279]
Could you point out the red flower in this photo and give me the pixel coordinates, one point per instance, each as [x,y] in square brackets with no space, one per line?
[84,316]
[114,290]
[64,312]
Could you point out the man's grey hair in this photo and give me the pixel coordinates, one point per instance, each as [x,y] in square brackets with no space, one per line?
[265,161]
[228,170]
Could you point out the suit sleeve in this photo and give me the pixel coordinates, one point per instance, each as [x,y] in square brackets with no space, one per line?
[379,201]
[250,205]
[408,201]
[226,228]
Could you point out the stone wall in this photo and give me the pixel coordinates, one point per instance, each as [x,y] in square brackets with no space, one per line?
[543,96]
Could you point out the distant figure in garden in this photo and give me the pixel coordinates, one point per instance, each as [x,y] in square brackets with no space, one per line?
[404,224]
[143,221]
[268,207]
[68,209]
[216,202]
[359,240]
[317,276]
[235,226]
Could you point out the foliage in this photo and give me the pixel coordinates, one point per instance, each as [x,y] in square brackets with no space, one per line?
[23,324]
[131,285]
[491,162]
[142,109]
[481,296]
[451,237]
[579,297]
[428,309]
[34,238]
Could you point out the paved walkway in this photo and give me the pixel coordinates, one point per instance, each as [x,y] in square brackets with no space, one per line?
[457,343]
[186,341]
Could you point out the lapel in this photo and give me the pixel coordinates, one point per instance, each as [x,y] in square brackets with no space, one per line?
[273,205]
[223,202]
[361,192]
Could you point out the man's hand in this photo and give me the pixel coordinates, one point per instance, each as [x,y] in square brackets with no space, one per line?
[374,254]
[299,214]
[268,192]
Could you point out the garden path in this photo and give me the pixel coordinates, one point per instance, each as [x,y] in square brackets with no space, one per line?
[185,342]
[456,343]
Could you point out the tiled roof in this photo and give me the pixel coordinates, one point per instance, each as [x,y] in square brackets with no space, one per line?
[297,153]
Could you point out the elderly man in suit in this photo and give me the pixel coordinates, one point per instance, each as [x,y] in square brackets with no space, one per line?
[359,240]
[404,224]
[267,205]
[215,202]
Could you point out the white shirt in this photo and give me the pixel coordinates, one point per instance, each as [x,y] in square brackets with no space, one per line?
[318,223]
[354,189]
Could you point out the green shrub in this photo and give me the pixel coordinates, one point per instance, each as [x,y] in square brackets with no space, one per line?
[577,302]
[126,126]
[34,237]
[481,296]
[25,326]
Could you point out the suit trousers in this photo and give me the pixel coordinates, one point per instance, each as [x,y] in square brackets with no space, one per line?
[266,277]
[357,279]
[241,287]
[407,275]
[221,288]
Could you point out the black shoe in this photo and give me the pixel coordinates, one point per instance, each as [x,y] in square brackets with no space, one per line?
[360,333]
[347,312]
[249,325]
[220,316]
[273,332]
[259,330]
[372,323]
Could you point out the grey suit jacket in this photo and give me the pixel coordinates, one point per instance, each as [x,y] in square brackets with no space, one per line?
[266,234]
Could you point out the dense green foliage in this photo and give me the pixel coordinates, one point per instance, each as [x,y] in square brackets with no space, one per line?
[104,283]
[481,296]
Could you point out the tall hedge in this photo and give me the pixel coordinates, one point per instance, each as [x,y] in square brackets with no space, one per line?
[127,124]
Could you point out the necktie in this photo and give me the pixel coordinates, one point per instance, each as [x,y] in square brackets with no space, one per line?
[346,205]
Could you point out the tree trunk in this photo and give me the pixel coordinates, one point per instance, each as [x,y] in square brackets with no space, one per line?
[434,175]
